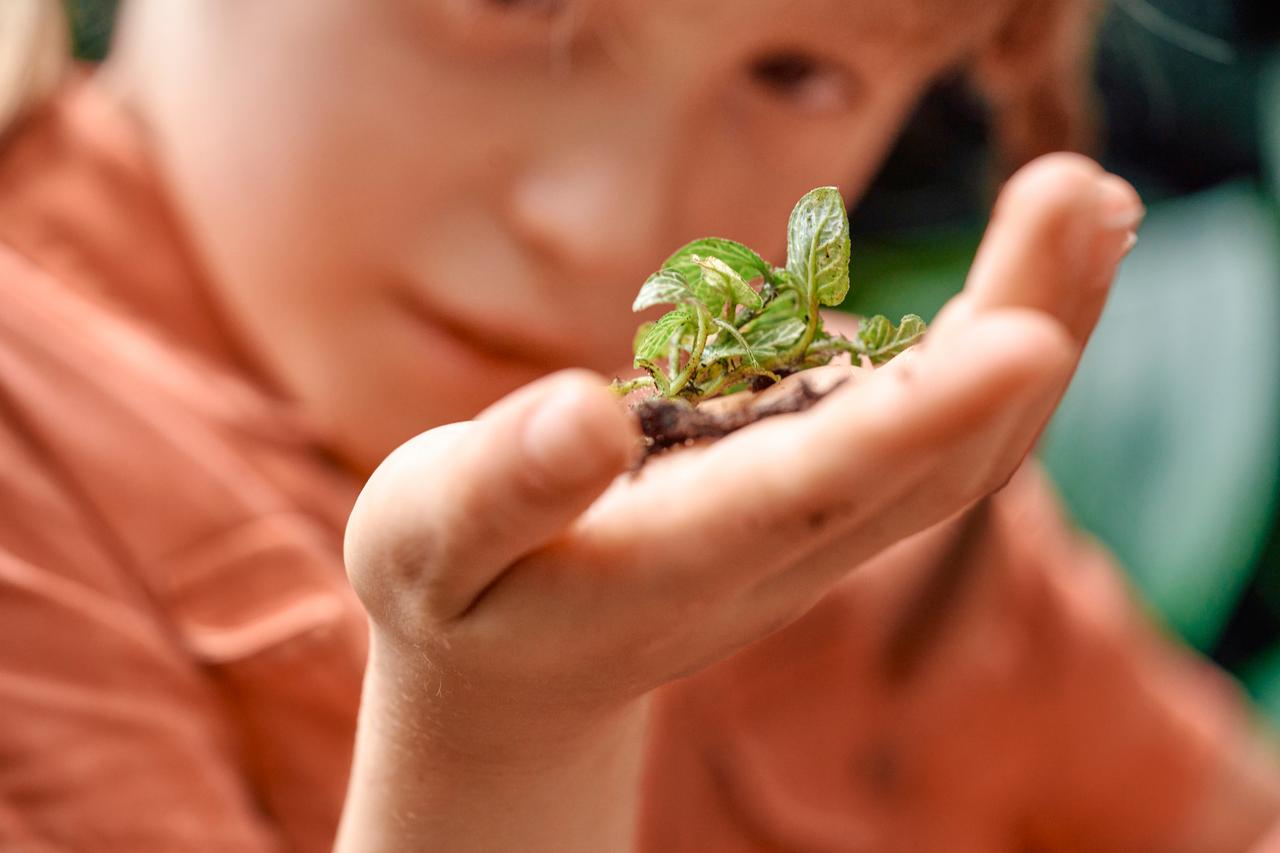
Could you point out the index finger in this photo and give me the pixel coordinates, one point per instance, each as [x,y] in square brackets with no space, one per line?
[951,426]
[974,398]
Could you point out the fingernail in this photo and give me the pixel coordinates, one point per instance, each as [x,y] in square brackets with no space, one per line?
[559,442]
[1120,207]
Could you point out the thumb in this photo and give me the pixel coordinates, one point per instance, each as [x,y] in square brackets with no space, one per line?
[448,511]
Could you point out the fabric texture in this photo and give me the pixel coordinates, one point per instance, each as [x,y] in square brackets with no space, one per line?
[180,654]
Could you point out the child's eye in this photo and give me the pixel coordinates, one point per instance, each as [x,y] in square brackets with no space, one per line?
[809,82]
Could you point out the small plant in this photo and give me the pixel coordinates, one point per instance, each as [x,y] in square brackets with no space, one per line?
[737,322]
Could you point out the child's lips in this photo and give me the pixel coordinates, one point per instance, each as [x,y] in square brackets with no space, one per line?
[493,349]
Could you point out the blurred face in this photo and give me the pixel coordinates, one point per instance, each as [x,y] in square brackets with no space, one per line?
[410,207]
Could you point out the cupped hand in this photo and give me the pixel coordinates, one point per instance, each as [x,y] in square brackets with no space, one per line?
[530,583]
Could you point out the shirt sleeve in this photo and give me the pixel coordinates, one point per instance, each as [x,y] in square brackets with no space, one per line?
[110,740]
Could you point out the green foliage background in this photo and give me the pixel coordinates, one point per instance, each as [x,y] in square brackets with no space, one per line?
[91,26]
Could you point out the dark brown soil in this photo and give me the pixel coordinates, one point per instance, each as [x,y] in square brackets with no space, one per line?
[674,423]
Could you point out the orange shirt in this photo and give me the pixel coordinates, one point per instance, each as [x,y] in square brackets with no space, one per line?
[180,655]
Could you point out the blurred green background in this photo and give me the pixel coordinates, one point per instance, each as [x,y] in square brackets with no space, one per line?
[1167,447]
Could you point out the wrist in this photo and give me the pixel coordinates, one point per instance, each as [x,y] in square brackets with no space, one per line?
[460,709]
[444,764]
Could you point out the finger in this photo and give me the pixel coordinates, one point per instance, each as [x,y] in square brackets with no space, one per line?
[743,508]
[1060,228]
[966,407]
[451,509]
[976,463]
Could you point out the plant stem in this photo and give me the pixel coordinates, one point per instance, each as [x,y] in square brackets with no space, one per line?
[719,385]
[811,328]
[733,377]
[695,354]
[840,343]
[622,389]
[811,294]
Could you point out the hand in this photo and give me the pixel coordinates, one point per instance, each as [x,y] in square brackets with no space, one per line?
[525,598]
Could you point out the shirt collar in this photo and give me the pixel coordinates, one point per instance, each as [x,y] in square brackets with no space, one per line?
[80,198]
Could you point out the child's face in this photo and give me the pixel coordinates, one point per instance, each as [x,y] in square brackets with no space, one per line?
[413,206]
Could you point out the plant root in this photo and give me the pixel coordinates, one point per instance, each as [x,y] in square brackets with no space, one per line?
[667,423]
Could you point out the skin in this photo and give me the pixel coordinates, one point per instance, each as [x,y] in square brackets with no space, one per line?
[440,202]
[551,636]
[454,171]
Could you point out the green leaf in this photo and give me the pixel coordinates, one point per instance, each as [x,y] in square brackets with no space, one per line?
[777,327]
[712,295]
[784,306]
[784,281]
[665,287]
[720,276]
[880,340]
[641,333]
[736,256]
[732,346]
[656,338]
[777,338]
[873,332]
[818,245]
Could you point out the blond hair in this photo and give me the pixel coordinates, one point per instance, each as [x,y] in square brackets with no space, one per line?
[34,55]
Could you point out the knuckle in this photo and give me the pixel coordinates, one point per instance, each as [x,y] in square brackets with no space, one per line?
[405,580]
[533,485]
[992,478]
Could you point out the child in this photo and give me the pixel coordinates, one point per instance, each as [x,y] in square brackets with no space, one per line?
[269,243]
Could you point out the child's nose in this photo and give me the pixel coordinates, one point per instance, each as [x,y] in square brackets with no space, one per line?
[593,212]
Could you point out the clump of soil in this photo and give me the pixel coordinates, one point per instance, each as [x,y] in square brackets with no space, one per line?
[667,423]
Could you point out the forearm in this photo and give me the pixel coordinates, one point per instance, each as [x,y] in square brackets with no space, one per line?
[417,784]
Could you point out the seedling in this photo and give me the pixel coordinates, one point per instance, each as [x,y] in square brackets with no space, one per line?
[738,323]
